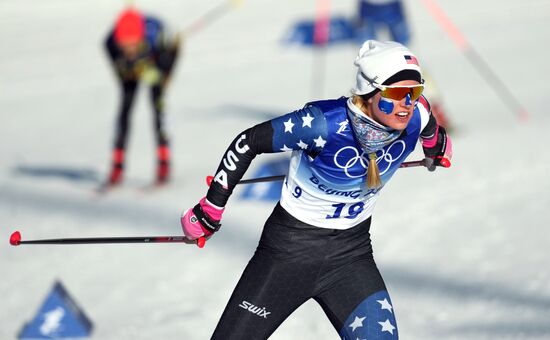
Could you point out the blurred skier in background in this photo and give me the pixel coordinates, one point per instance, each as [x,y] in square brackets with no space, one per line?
[379,18]
[375,16]
[316,243]
[141,50]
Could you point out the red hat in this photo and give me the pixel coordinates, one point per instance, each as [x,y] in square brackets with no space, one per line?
[129,27]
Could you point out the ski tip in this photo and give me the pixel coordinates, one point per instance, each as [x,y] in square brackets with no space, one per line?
[15,238]
[201,241]
[209,180]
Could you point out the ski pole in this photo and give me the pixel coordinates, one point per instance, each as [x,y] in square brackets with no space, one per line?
[321,34]
[213,14]
[253,180]
[475,59]
[444,163]
[15,240]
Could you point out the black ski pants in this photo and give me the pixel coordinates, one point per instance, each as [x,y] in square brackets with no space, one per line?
[128,89]
[295,262]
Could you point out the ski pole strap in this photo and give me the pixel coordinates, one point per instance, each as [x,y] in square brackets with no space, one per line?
[205,220]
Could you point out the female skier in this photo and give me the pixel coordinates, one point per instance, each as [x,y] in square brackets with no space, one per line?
[316,243]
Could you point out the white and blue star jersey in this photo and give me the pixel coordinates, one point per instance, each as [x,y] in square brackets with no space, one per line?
[326,182]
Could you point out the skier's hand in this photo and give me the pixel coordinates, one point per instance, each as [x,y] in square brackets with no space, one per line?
[201,220]
[438,150]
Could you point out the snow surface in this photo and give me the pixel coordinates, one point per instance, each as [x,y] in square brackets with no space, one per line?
[464,251]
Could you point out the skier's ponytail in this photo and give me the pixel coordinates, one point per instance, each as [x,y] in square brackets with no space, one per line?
[373,173]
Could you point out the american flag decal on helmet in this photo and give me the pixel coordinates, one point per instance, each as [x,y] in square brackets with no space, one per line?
[411,60]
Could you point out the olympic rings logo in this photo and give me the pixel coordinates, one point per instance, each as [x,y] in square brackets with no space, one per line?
[363,158]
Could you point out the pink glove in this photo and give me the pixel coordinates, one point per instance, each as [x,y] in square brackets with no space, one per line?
[438,149]
[201,220]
